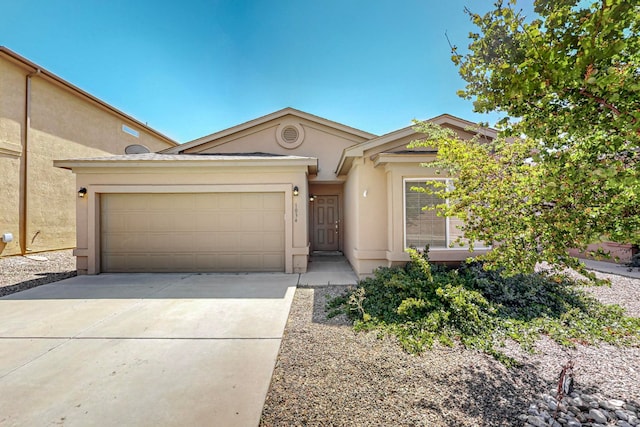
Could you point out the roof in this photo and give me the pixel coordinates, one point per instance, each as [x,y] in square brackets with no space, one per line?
[264,119]
[38,70]
[152,160]
[358,150]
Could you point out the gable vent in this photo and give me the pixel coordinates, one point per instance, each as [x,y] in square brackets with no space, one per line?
[290,134]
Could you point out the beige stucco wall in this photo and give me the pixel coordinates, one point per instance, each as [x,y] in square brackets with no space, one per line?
[374,234]
[63,124]
[321,142]
[11,125]
[366,239]
[188,180]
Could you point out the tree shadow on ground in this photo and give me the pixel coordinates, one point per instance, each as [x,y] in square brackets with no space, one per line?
[485,394]
[345,377]
[321,296]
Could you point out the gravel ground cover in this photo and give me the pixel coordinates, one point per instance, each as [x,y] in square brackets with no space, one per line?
[328,375]
[18,273]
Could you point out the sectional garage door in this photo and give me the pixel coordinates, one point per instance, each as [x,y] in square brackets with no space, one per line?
[192,232]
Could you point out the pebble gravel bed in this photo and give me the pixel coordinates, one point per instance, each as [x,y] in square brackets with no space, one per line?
[19,273]
[581,410]
[329,375]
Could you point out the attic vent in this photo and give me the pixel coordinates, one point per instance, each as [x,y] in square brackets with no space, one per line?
[290,135]
[136,149]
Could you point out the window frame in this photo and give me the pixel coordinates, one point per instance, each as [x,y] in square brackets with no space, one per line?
[448,241]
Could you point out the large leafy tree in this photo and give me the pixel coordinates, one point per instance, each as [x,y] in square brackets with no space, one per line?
[564,170]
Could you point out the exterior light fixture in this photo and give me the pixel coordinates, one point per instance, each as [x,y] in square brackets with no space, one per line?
[296,191]
[82,192]
[312,198]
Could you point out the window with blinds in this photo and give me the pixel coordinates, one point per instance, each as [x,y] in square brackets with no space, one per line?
[422,226]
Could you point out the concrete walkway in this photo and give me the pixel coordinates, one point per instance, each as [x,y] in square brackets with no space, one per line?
[142,349]
[612,268]
[328,269]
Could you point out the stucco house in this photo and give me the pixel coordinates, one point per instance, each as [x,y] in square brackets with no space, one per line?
[42,118]
[262,196]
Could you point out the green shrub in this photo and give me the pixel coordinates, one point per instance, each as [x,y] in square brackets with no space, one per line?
[421,304]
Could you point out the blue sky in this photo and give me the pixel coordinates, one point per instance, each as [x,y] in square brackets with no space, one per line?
[195,67]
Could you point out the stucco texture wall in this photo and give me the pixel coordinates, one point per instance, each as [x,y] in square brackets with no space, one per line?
[63,124]
[12,107]
[318,141]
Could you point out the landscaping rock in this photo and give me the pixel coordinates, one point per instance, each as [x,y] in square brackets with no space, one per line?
[582,410]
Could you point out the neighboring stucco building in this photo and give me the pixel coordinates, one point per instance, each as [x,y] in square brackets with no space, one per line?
[42,118]
[263,196]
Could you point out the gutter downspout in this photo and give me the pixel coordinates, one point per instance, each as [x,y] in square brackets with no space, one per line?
[25,151]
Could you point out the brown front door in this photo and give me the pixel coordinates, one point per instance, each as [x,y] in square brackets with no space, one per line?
[326,223]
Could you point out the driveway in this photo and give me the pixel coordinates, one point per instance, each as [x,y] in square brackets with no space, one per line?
[142,349]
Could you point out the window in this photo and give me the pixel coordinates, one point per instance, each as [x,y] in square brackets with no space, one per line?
[130,131]
[425,227]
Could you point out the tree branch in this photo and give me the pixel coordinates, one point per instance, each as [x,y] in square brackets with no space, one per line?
[600,101]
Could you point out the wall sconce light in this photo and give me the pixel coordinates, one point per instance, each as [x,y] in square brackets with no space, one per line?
[312,198]
[296,191]
[82,192]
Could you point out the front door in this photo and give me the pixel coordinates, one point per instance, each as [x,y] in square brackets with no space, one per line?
[326,223]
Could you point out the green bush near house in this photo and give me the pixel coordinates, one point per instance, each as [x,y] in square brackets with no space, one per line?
[422,303]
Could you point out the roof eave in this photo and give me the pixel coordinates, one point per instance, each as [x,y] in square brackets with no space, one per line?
[358,150]
[309,162]
[417,157]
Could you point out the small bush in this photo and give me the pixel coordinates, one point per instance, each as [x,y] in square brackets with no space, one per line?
[421,304]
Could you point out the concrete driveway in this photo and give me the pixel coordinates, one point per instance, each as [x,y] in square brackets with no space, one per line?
[142,349]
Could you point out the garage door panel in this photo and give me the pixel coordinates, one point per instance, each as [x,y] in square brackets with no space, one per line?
[201,222]
[229,221]
[251,222]
[157,221]
[127,222]
[113,262]
[192,232]
[227,201]
[248,239]
[273,221]
[272,242]
[185,222]
[114,223]
[272,201]
[205,202]
[126,202]
[273,261]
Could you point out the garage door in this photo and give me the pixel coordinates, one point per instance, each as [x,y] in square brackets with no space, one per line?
[194,232]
